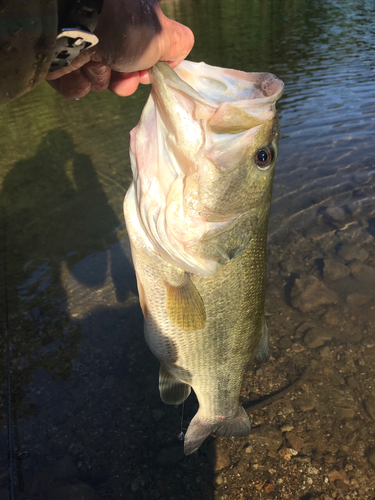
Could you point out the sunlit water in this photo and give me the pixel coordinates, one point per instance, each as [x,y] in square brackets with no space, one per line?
[87,418]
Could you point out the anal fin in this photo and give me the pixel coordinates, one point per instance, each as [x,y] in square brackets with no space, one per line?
[172,390]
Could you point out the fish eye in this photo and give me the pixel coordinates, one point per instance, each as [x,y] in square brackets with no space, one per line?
[263,158]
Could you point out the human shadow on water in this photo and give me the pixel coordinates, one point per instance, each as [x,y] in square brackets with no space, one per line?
[55,212]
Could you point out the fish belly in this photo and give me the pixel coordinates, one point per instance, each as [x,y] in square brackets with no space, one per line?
[210,350]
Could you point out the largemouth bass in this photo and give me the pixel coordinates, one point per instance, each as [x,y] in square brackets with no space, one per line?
[203,158]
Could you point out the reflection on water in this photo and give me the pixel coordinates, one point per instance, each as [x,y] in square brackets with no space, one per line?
[88,420]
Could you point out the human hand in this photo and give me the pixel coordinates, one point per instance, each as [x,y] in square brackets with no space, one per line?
[133,36]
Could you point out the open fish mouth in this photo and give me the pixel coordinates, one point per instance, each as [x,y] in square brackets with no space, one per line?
[196,117]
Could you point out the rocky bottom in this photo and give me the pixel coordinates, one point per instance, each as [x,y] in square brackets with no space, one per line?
[103,433]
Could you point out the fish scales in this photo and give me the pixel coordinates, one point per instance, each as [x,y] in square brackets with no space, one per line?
[203,297]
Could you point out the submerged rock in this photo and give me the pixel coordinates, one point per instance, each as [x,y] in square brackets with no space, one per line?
[309,293]
[334,270]
[316,337]
[351,252]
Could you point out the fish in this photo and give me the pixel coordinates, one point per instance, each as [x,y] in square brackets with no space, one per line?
[203,158]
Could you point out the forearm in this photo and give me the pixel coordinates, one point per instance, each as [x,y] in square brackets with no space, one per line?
[28,31]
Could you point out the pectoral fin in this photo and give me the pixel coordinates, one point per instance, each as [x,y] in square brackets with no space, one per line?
[185,306]
[172,390]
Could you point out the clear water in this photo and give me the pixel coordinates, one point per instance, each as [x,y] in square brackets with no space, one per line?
[84,386]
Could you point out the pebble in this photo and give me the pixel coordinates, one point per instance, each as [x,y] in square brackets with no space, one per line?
[346,412]
[217,456]
[334,270]
[308,293]
[287,428]
[369,405]
[305,404]
[336,214]
[332,318]
[325,352]
[268,436]
[294,441]
[312,470]
[362,272]
[352,383]
[287,453]
[351,252]
[316,337]
[248,449]
[357,299]
[337,379]
[340,484]
[219,479]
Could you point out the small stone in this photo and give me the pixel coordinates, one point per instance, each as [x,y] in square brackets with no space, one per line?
[294,441]
[351,252]
[287,453]
[305,404]
[338,475]
[369,405]
[268,436]
[331,318]
[349,367]
[312,470]
[269,487]
[325,352]
[337,379]
[316,337]
[336,214]
[217,456]
[362,272]
[157,414]
[334,270]
[248,449]
[352,383]
[371,457]
[308,293]
[340,484]
[219,479]
[346,412]
[287,428]
[357,299]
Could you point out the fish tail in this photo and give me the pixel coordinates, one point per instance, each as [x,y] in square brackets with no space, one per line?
[199,429]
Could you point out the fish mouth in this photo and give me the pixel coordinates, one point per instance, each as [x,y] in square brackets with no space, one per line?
[216,85]
[191,112]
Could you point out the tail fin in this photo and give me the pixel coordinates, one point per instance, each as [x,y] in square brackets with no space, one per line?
[199,429]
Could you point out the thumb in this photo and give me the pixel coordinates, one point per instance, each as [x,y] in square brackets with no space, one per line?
[176,41]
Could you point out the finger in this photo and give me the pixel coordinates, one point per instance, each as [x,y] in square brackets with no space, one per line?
[176,41]
[98,75]
[124,84]
[73,85]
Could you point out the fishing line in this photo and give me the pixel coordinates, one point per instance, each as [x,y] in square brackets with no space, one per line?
[8,364]
[181,435]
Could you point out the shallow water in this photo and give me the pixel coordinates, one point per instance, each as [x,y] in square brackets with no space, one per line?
[87,418]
